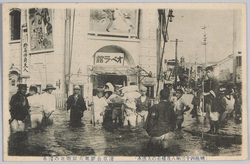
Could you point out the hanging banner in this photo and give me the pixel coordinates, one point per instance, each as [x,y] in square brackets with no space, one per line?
[25,51]
[114,21]
[40,29]
[112,59]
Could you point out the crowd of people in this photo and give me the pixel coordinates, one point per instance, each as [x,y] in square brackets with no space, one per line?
[129,106]
[32,109]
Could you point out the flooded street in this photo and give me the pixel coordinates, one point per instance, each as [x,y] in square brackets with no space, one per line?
[61,139]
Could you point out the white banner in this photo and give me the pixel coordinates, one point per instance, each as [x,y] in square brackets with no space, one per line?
[25,51]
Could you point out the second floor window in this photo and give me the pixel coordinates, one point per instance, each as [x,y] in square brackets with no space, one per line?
[238,61]
[15,24]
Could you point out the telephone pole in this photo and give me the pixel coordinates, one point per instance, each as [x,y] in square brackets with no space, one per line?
[205,43]
[176,57]
[203,88]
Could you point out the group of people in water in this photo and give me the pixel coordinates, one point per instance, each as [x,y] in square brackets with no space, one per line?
[32,109]
[125,106]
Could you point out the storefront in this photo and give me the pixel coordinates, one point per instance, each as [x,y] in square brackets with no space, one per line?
[112,64]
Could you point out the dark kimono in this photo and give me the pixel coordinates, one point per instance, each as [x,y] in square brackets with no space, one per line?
[140,106]
[76,106]
[19,107]
[160,120]
[212,86]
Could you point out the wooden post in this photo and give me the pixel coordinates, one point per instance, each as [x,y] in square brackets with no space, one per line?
[176,58]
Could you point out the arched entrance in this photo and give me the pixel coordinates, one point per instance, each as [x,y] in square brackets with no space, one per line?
[113,64]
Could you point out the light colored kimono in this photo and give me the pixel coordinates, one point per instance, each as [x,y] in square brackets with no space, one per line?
[49,102]
[36,110]
[100,105]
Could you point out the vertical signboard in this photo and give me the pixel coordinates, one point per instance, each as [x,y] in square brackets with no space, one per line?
[25,51]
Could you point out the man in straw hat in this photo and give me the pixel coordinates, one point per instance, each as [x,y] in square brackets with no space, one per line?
[49,103]
[19,107]
[77,106]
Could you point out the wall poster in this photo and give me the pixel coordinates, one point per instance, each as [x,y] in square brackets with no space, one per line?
[40,29]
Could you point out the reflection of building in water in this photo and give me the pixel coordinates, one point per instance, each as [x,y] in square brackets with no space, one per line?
[79,56]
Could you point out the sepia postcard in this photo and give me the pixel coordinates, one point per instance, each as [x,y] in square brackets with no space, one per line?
[102,82]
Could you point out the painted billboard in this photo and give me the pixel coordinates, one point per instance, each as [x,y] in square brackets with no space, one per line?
[114,21]
[40,29]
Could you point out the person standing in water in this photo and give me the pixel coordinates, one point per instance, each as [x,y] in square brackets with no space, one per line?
[77,106]
[142,105]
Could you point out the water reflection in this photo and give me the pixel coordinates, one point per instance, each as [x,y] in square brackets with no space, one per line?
[61,138]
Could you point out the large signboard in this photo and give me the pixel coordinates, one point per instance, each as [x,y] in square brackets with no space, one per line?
[114,21]
[109,59]
[40,29]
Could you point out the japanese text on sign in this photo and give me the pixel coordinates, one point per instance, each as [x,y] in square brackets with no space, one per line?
[25,57]
[109,59]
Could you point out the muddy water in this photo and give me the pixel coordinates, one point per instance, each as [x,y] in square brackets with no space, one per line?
[63,139]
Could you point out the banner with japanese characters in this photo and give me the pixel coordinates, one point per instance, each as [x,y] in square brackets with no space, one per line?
[114,21]
[40,29]
[115,59]
[25,51]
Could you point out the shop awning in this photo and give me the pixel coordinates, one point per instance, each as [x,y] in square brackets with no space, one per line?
[124,70]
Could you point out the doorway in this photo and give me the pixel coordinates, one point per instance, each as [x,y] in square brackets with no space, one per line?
[99,81]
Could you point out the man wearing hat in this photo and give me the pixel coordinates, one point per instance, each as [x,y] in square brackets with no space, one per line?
[49,103]
[19,107]
[77,106]
[211,100]
[142,105]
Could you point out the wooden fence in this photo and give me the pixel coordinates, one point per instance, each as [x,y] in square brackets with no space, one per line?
[61,99]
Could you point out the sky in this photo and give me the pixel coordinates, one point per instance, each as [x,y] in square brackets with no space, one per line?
[187,26]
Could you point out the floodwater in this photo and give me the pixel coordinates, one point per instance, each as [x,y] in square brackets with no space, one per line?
[61,139]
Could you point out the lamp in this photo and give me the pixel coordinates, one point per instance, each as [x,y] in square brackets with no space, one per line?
[170,15]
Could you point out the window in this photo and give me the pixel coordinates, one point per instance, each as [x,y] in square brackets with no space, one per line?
[150,91]
[15,24]
[238,61]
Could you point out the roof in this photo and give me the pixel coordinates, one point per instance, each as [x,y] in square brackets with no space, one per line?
[111,70]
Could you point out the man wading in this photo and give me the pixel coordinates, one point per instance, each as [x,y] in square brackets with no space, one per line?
[161,120]
[77,106]
[211,100]
[49,103]
[19,107]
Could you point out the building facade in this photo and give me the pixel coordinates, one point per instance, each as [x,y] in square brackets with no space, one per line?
[67,47]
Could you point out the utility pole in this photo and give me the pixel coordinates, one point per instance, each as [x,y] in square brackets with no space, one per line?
[196,70]
[176,64]
[162,30]
[203,78]
[205,43]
